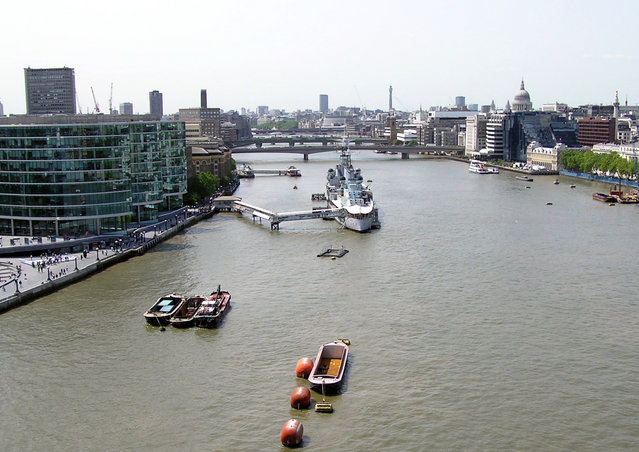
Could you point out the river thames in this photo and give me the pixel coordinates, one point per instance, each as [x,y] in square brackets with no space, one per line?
[487,313]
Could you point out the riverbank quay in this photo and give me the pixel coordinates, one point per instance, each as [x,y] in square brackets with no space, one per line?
[24,279]
[508,168]
[597,178]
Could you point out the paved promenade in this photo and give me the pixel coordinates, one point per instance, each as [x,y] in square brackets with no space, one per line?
[25,278]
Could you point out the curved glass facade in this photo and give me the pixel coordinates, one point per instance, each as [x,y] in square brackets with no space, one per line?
[78,179]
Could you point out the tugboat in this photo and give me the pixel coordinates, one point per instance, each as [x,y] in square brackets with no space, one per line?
[213,309]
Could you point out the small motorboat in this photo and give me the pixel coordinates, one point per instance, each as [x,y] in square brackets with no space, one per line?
[330,364]
[184,317]
[556,182]
[161,312]
[213,309]
[526,178]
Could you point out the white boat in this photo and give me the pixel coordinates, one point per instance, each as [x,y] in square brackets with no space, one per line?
[346,190]
[477,166]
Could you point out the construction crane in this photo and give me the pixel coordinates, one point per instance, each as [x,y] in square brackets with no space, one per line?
[111,100]
[97,107]
[77,99]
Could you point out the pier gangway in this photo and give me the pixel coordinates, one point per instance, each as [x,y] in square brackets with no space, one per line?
[275,218]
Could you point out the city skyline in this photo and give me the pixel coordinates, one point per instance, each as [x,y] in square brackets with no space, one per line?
[284,54]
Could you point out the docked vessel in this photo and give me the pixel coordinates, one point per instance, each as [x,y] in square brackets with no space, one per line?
[328,370]
[184,317]
[163,309]
[623,198]
[346,190]
[213,309]
[604,197]
[477,167]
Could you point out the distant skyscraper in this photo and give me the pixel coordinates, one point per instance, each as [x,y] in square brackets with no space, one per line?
[390,97]
[203,98]
[460,101]
[323,107]
[155,102]
[262,110]
[1,109]
[50,91]
[126,108]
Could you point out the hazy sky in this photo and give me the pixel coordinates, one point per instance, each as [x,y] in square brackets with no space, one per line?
[285,53]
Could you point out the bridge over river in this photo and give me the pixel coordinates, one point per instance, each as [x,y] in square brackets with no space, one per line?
[405,151]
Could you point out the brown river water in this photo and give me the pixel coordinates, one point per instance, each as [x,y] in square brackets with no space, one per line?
[481,318]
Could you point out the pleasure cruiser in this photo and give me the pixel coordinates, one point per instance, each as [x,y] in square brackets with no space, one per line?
[477,166]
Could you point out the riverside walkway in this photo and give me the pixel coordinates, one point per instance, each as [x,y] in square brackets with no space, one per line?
[25,278]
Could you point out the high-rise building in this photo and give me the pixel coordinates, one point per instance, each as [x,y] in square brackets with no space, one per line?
[262,110]
[84,186]
[460,102]
[323,103]
[126,108]
[1,109]
[201,122]
[50,91]
[155,103]
[203,103]
[475,133]
[390,97]
[596,130]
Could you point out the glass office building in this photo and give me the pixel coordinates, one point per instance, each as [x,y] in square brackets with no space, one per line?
[78,179]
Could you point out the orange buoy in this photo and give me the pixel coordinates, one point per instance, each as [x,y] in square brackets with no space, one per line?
[291,434]
[301,397]
[303,367]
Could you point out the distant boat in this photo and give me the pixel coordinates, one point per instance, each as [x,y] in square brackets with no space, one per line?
[525,178]
[163,309]
[603,197]
[380,151]
[622,198]
[477,167]
[329,367]
[293,172]
[556,182]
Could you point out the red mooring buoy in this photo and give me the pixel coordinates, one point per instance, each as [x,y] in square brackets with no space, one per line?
[291,434]
[303,367]
[301,397]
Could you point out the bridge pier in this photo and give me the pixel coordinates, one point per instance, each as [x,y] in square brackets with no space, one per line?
[306,157]
[405,155]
